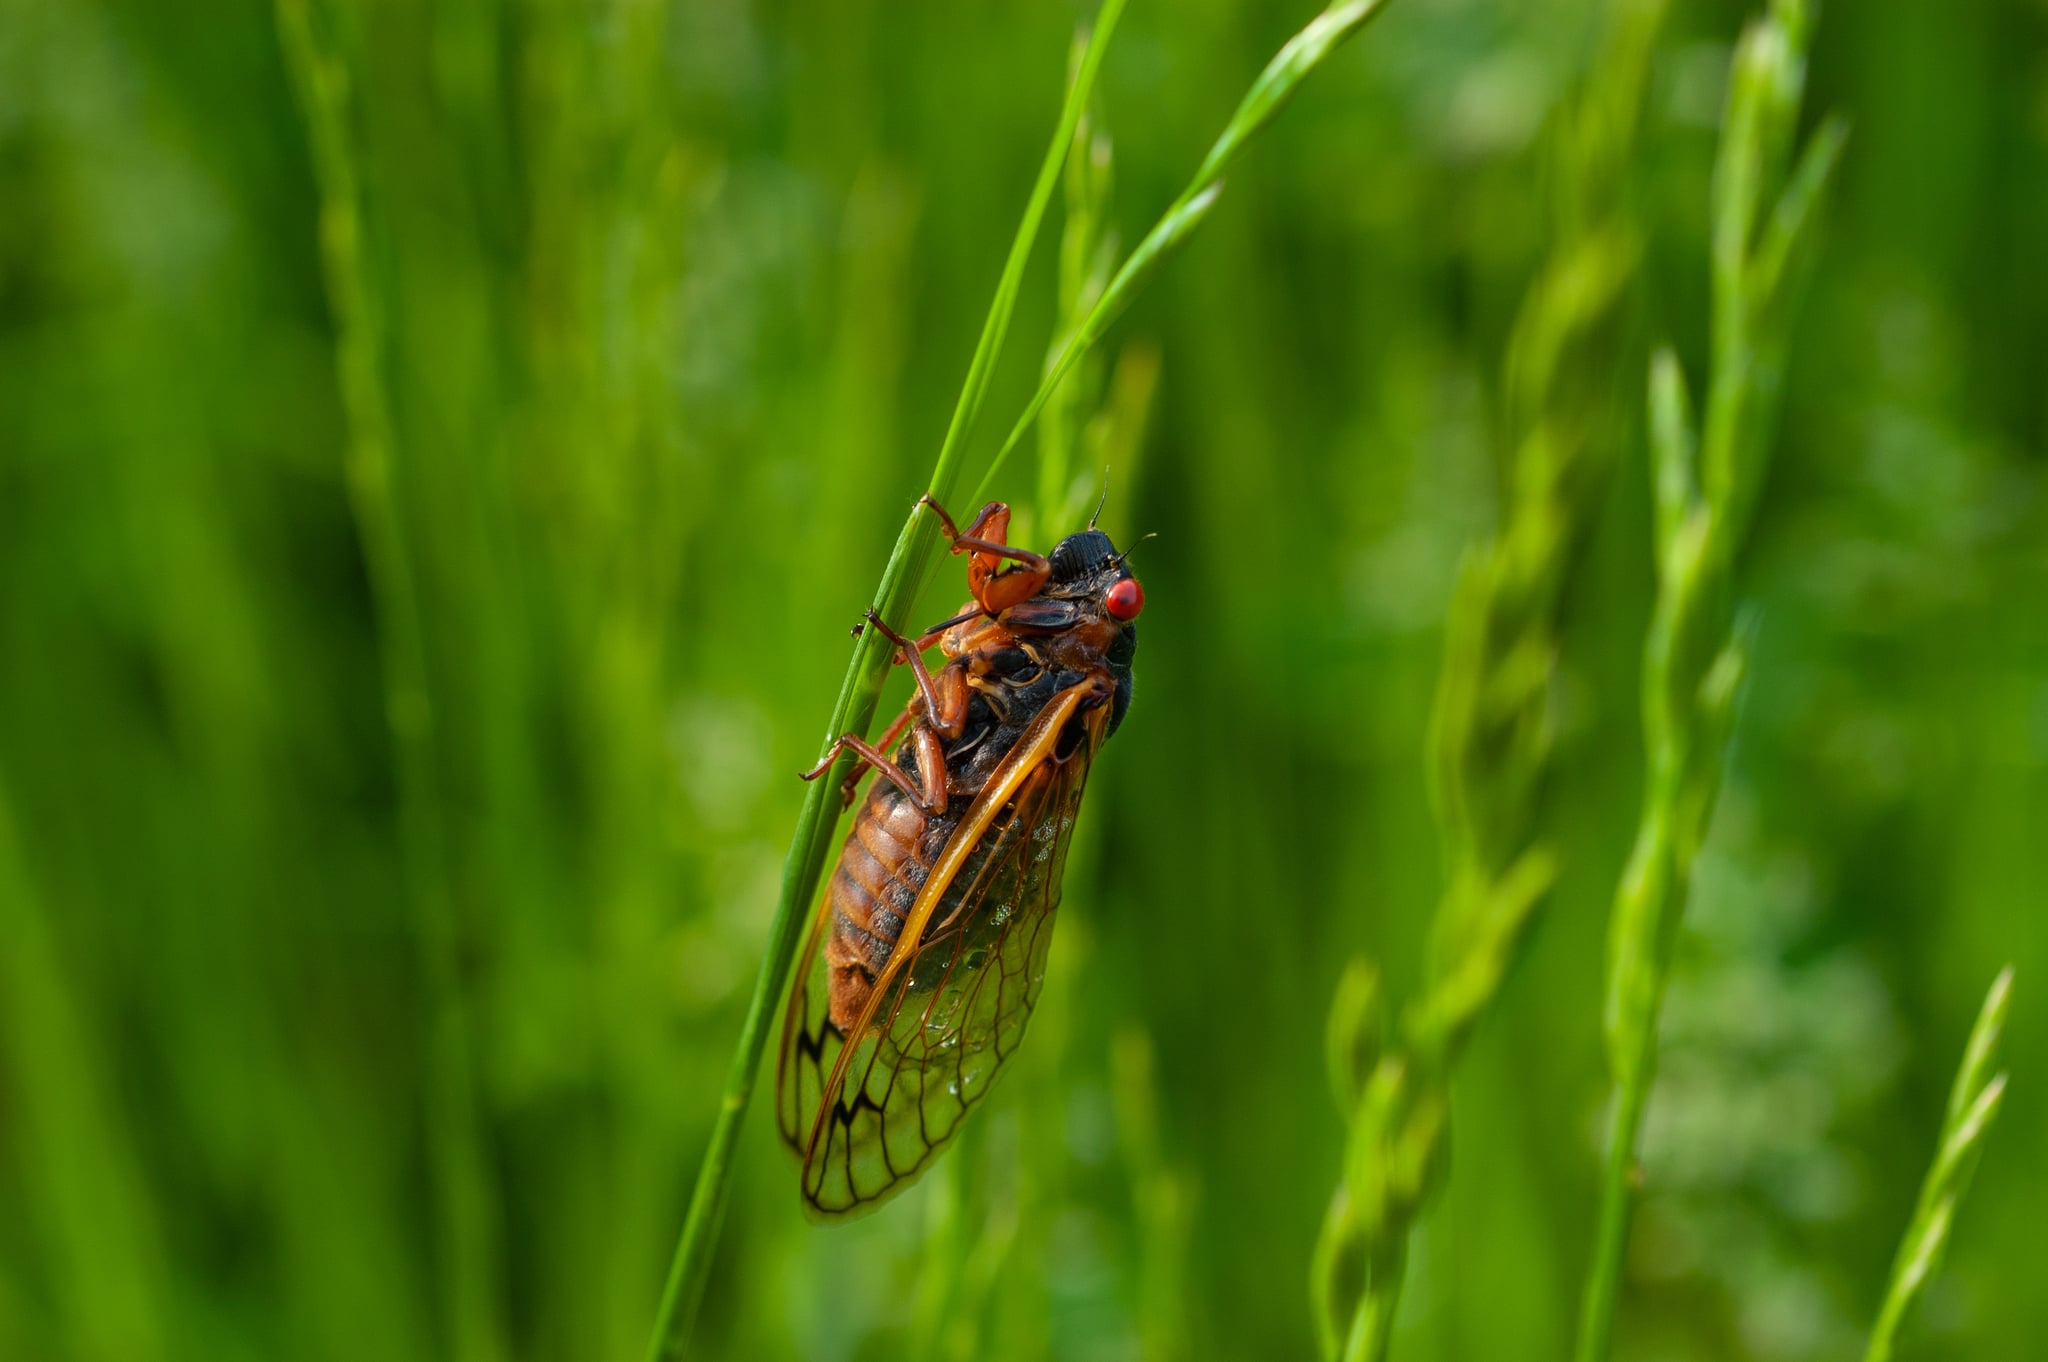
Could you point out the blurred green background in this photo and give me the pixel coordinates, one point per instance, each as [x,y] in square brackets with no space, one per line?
[667,306]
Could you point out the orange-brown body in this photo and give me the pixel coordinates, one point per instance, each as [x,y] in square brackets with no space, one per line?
[888,853]
[929,950]
[994,680]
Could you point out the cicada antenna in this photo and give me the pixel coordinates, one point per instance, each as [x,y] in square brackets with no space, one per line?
[1149,534]
[1105,498]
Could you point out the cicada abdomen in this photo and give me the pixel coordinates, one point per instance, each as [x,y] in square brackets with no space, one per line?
[929,949]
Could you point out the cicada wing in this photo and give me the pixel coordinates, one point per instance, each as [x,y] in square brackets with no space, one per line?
[947,1022]
[810,1042]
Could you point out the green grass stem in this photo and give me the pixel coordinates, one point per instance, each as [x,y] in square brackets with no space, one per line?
[404,413]
[1491,730]
[1162,1198]
[911,558]
[853,712]
[1295,61]
[1087,247]
[1973,1104]
[1697,648]
[98,1218]
[468,1244]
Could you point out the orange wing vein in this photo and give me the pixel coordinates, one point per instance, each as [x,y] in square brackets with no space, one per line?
[867,1110]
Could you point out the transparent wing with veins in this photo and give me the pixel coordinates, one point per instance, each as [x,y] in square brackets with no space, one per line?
[949,1020]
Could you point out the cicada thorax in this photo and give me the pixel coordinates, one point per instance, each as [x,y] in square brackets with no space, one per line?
[893,844]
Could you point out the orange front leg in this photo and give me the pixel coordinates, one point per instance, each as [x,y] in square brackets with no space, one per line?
[994,590]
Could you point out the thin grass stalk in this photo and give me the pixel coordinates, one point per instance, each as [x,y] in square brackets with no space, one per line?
[98,1222]
[1705,482]
[467,1229]
[1295,61]
[1161,1195]
[1973,1104]
[1086,252]
[853,712]
[1162,1200]
[1491,732]
[947,1318]
[909,565]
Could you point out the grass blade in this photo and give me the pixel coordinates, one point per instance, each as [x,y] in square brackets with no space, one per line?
[468,1232]
[1973,1104]
[1695,654]
[1283,75]
[1491,724]
[853,712]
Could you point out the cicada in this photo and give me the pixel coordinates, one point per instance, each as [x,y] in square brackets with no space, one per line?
[928,950]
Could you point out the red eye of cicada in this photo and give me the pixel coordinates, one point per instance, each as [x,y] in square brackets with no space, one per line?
[1125,599]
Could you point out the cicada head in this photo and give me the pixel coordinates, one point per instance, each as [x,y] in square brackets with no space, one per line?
[1087,566]
[1088,570]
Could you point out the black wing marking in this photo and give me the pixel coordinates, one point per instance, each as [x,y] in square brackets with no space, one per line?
[947,1018]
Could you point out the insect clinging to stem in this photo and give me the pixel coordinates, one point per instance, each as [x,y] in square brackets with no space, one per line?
[928,950]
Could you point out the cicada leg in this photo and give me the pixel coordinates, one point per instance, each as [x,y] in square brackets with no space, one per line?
[945,697]
[994,590]
[929,796]
[849,788]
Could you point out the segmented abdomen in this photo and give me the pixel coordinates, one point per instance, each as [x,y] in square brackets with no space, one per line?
[889,851]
